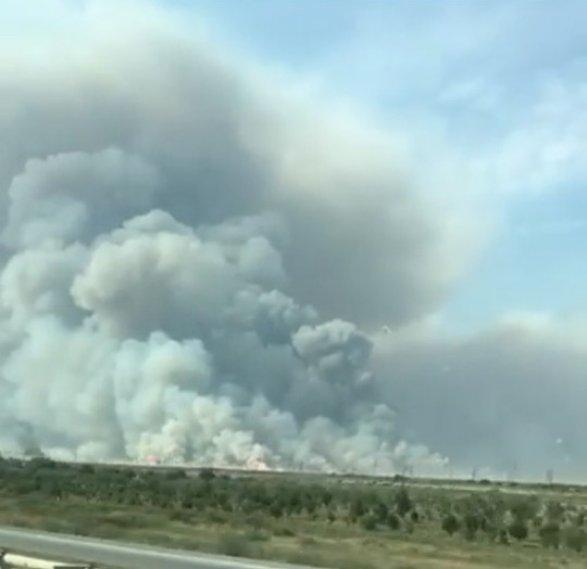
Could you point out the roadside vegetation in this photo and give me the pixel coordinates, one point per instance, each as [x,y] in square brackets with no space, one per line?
[328,521]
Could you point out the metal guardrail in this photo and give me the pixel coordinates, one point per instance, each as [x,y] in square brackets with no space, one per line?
[9,560]
[99,553]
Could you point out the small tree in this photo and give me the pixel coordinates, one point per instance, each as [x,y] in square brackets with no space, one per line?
[555,511]
[471,525]
[369,522]
[276,509]
[491,528]
[310,503]
[381,511]
[503,537]
[524,508]
[450,524]
[403,503]
[294,503]
[550,534]
[327,497]
[356,509]
[393,521]
[518,529]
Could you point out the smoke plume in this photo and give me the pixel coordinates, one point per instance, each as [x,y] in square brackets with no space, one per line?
[185,248]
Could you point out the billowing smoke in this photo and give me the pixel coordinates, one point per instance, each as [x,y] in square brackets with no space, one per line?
[185,248]
[509,400]
[155,340]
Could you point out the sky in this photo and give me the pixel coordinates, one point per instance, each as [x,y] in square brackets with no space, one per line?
[332,235]
[500,83]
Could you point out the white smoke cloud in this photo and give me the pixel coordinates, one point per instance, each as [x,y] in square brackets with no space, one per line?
[72,195]
[183,244]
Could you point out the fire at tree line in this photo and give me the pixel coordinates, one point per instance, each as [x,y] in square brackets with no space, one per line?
[482,511]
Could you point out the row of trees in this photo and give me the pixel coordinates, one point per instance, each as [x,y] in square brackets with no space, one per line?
[505,518]
[492,515]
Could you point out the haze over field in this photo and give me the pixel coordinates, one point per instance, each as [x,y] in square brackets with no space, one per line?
[208,258]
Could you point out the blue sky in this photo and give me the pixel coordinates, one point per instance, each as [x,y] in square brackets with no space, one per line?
[500,85]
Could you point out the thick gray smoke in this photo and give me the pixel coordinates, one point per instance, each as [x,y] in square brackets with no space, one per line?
[509,400]
[183,248]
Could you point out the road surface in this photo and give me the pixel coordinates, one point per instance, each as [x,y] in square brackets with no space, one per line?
[120,555]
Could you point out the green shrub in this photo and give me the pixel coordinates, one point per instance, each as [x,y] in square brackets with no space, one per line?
[503,537]
[450,524]
[393,521]
[369,522]
[471,524]
[524,508]
[518,529]
[381,511]
[555,511]
[550,534]
[403,502]
[356,509]
[276,509]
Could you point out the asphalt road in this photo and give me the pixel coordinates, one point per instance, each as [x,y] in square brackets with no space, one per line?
[119,555]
